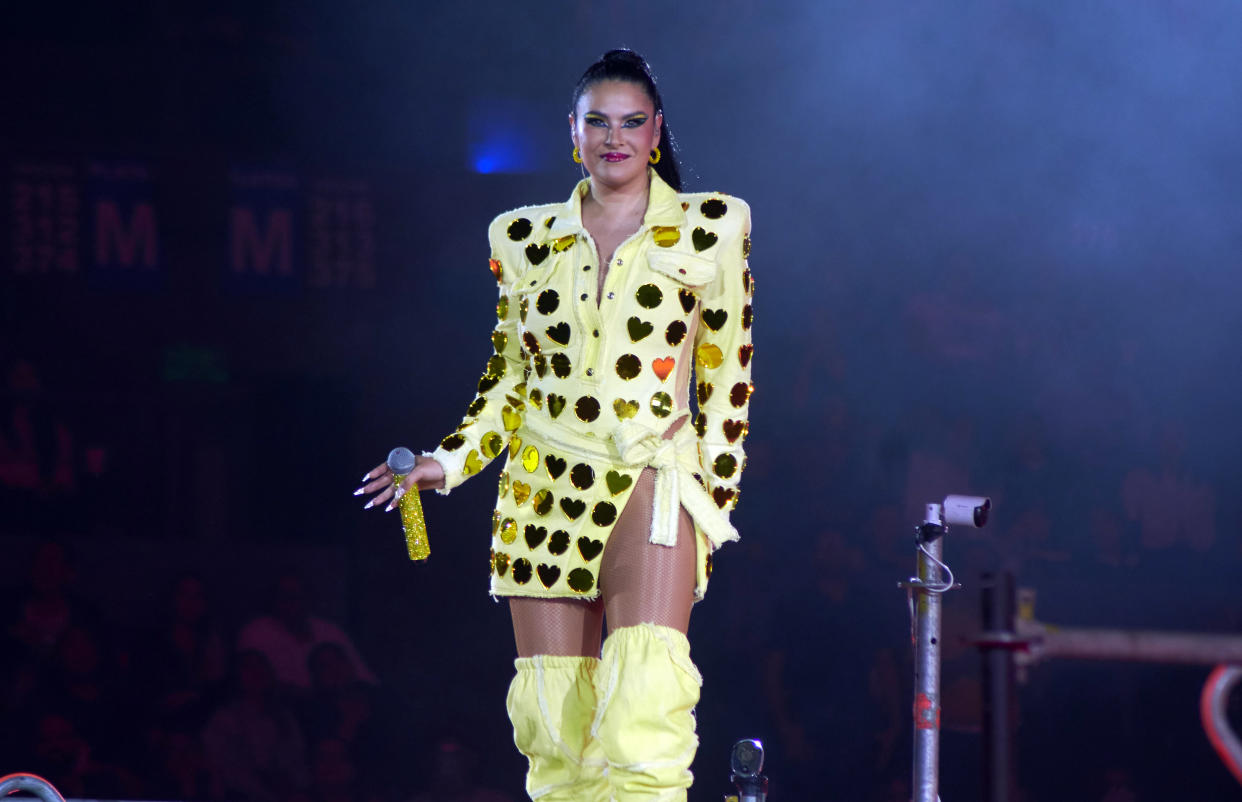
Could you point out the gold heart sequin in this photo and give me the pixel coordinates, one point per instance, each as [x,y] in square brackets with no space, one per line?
[725,465]
[555,466]
[523,308]
[556,404]
[497,270]
[502,307]
[536,398]
[548,574]
[508,530]
[559,542]
[473,465]
[587,409]
[530,459]
[560,365]
[705,391]
[582,476]
[628,366]
[662,367]
[661,405]
[733,429]
[580,580]
[534,535]
[715,318]
[519,229]
[547,302]
[521,492]
[723,496]
[572,507]
[638,329]
[744,354]
[746,283]
[617,482]
[487,382]
[603,514]
[702,241]
[740,394]
[542,502]
[648,296]
[588,548]
[559,333]
[532,344]
[748,316]
[476,406]
[548,221]
[564,243]
[625,409]
[499,340]
[687,300]
[713,209]
[522,570]
[709,356]
[537,253]
[515,445]
[491,445]
[746,247]
[540,362]
[500,562]
[496,366]
[700,424]
[510,418]
[666,236]
[675,333]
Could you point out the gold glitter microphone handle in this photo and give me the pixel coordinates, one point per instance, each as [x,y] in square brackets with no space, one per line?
[401,461]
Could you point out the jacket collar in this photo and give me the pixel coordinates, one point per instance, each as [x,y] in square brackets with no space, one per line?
[663,208]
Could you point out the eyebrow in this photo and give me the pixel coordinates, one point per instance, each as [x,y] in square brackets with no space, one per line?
[629,116]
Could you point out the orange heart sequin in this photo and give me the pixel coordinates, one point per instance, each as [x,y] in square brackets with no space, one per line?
[497,271]
[662,367]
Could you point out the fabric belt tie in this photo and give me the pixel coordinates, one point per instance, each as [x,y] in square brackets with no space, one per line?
[675,461]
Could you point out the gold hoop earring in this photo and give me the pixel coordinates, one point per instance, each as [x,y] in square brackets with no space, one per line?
[654,158]
[577,157]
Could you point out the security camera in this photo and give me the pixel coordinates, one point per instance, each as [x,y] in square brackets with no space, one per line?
[967,510]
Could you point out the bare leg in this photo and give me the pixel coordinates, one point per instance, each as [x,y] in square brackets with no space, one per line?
[568,627]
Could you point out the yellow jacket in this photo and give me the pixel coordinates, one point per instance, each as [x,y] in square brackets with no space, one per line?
[580,393]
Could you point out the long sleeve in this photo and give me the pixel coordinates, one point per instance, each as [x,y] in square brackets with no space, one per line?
[497,409]
[723,352]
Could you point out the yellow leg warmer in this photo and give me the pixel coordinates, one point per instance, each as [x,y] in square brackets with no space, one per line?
[551,703]
[647,689]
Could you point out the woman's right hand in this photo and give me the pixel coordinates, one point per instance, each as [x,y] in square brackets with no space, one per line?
[427,473]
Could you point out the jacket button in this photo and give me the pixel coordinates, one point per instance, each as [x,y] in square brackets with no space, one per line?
[611,295]
[595,333]
[584,296]
[619,263]
[586,267]
[590,372]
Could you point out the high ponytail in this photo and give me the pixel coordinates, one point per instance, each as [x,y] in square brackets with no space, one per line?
[626,65]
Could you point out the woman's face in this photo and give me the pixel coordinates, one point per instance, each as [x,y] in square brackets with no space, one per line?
[615,127]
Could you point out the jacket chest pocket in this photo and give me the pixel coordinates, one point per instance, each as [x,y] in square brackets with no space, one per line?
[545,309]
[688,269]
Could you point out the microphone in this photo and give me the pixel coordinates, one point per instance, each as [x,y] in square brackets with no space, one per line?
[401,461]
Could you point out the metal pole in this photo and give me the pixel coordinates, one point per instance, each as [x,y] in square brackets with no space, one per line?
[927,675]
[1138,645]
[999,689]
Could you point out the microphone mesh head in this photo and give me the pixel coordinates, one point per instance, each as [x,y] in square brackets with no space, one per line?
[401,460]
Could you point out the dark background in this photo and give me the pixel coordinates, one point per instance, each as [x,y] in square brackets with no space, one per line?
[995,245]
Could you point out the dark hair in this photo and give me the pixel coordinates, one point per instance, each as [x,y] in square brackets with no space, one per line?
[626,65]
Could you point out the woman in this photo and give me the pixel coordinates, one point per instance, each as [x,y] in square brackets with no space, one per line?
[609,504]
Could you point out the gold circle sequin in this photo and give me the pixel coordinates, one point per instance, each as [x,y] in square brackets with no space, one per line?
[502,307]
[542,502]
[547,302]
[582,476]
[705,391]
[534,535]
[648,296]
[675,333]
[587,409]
[713,209]
[491,445]
[638,328]
[519,229]
[701,238]
[740,394]
[603,514]
[661,405]
[625,409]
[522,570]
[452,442]
[559,333]
[617,482]
[508,531]
[725,466]
[559,542]
[530,459]
[709,356]
[561,365]
[715,318]
[476,406]
[629,366]
[666,236]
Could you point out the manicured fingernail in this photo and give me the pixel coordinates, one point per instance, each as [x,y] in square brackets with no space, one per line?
[389,507]
[369,504]
[397,495]
[366,477]
[360,491]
